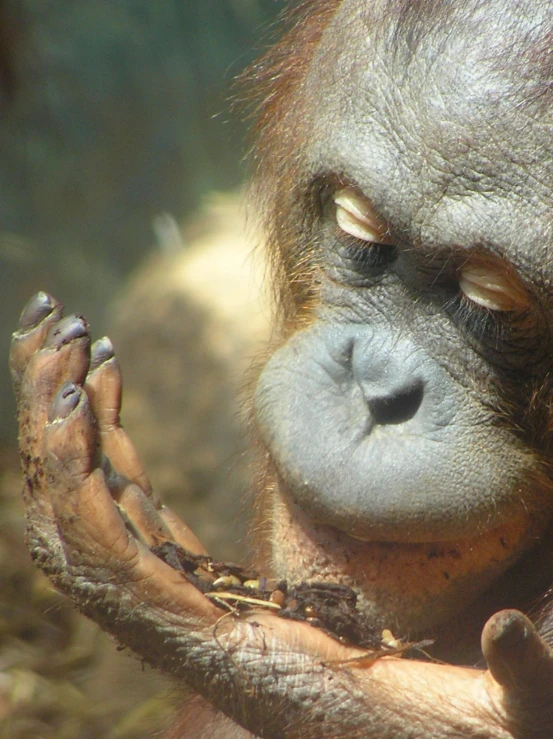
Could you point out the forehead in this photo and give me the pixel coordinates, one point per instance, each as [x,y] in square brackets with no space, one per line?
[460,57]
[433,106]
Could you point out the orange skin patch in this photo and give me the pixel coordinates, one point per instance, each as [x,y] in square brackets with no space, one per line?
[405,587]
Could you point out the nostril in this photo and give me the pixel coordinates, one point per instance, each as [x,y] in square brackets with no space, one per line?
[397,407]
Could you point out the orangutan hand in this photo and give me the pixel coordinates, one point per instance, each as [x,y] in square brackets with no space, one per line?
[92,519]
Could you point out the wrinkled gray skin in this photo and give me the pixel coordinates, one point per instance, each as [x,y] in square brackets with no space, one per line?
[404,414]
[407,429]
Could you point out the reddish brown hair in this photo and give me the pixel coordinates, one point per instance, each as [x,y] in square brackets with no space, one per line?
[275,83]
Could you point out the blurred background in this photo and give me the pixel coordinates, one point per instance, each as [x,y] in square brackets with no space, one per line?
[120,193]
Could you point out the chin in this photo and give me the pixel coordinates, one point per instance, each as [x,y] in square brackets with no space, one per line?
[410,588]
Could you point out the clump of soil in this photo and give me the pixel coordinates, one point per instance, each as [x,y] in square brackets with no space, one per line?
[331,607]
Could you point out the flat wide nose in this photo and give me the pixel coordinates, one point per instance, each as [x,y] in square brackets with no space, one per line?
[397,405]
[390,379]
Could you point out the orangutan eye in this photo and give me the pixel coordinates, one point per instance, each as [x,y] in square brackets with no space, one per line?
[489,286]
[355,215]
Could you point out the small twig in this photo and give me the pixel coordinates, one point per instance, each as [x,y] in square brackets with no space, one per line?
[244,599]
[373,655]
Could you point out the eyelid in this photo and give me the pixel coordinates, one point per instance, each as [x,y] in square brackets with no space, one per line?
[492,286]
[485,283]
[356,217]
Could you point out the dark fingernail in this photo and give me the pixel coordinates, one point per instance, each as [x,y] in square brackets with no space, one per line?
[36,310]
[72,327]
[102,350]
[509,630]
[65,401]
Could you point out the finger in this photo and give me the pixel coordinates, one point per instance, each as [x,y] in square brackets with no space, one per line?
[34,323]
[141,516]
[149,523]
[79,483]
[104,388]
[520,661]
[70,445]
[181,533]
[36,319]
[64,355]
[99,547]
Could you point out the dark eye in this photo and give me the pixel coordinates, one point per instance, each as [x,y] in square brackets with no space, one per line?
[366,243]
[356,217]
[371,258]
[490,286]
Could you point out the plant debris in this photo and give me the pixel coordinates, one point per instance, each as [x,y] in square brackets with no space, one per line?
[331,607]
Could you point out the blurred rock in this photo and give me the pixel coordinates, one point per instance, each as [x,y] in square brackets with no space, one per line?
[185,329]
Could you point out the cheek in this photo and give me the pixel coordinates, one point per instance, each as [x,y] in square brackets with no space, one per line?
[405,587]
